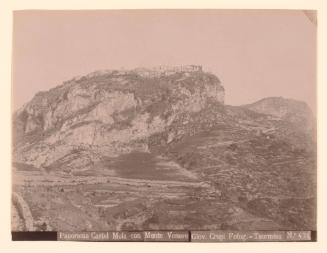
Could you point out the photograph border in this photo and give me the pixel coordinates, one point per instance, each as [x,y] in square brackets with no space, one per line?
[6,9]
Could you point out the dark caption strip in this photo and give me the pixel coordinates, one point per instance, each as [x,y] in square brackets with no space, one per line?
[170,236]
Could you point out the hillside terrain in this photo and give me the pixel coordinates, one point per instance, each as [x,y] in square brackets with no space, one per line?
[123,151]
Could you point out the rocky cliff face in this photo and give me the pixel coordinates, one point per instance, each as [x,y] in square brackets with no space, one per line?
[107,114]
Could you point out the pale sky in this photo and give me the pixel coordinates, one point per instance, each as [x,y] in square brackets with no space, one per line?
[255,54]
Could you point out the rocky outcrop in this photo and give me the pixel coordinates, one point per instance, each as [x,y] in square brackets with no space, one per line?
[107,114]
[24,211]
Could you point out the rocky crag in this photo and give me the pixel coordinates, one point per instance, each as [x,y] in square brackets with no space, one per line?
[108,115]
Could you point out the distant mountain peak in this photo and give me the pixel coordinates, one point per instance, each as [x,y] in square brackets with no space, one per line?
[279,106]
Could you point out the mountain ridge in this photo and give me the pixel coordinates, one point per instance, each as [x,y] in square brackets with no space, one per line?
[127,105]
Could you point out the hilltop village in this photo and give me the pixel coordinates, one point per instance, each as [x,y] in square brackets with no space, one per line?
[167,70]
[151,72]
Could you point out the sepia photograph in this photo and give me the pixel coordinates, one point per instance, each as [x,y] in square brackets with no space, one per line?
[192,125]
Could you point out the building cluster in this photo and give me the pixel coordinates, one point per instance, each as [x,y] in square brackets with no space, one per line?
[145,72]
[167,70]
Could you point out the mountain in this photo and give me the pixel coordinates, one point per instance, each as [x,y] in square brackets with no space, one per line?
[291,110]
[109,114]
[296,114]
[280,107]
[183,158]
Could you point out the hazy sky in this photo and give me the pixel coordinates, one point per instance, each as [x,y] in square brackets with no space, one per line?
[255,54]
